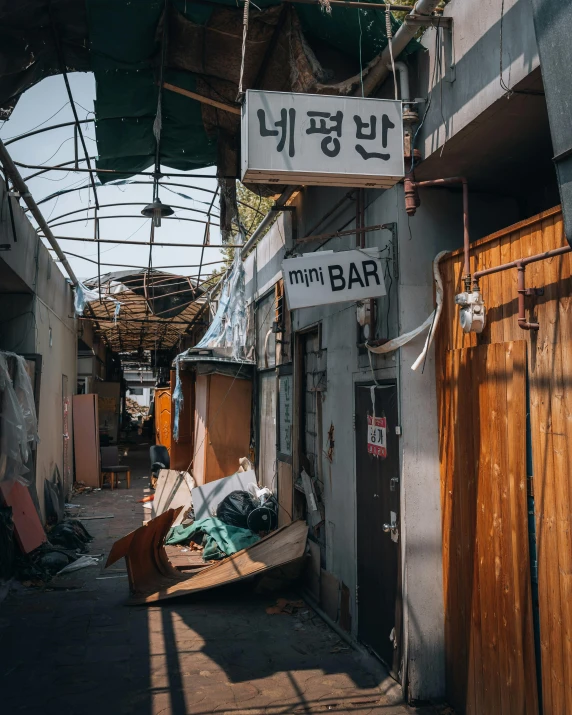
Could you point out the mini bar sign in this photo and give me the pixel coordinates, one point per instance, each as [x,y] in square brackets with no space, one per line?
[327,277]
[319,139]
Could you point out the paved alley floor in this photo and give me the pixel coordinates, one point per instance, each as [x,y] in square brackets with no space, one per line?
[82,651]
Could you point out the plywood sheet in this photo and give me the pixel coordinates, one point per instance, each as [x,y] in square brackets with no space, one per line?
[86,439]
[489,639]
[228,425]
[277,549]
[173,490]
[29,530]
[207,497]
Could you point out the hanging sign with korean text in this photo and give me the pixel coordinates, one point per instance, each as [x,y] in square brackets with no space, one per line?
[377,436]
[317,139]
[333,277]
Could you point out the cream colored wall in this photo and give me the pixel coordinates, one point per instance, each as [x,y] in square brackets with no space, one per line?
[57,344]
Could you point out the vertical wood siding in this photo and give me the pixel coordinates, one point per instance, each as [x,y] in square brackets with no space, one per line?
[484,525]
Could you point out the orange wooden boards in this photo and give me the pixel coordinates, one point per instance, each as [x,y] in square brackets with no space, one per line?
[489,637]
[549,365]
[29,530]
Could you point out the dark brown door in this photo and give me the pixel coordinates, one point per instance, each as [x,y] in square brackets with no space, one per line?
[378,550]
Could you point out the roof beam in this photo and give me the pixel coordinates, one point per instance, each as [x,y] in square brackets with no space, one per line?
[136,243]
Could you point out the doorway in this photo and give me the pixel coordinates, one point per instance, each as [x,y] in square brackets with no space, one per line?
[378,522]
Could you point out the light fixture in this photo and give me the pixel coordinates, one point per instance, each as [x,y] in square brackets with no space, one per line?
[157,211]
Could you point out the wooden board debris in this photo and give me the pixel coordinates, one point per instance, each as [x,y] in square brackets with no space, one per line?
[281,547]
[173,490]
[29,530]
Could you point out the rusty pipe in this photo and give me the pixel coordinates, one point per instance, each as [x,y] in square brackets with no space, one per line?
[522,321]
[522,261]
[410,188]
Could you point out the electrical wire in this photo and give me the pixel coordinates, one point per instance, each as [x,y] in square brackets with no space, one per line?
[389,33]
[243,57]
[18,136]
[360,55]
[430,99]
[504,86]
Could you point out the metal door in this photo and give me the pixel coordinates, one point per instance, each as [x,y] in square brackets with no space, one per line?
[378,523]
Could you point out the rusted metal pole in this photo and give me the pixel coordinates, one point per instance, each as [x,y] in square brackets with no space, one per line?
[522,321]
[137,243]
[523,261]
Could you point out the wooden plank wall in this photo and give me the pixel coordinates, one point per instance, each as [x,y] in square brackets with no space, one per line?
[488,602]
[549,366]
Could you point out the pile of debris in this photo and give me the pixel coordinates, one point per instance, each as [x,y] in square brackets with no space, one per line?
[201,537]
[136,411]
[30,554]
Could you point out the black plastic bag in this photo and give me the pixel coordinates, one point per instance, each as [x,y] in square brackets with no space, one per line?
[54,502]
[6,543]
[235,508]
[70,534]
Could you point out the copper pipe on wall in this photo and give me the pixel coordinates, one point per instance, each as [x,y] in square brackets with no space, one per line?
[520,265]
[522,321]
[523,261]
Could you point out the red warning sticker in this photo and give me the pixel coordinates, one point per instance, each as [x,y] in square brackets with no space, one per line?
[377,436]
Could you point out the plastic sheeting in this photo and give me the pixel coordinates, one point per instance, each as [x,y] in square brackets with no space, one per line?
[84,295]
[177,399]
[19,422]
[229,326]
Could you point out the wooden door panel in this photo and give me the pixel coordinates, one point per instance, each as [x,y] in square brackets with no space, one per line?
[163,427]
[489,640]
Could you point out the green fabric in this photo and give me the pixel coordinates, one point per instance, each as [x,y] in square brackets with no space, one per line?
[220,539]
[123,44]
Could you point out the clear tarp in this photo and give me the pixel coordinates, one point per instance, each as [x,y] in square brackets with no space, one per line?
[19,423]
[229,326]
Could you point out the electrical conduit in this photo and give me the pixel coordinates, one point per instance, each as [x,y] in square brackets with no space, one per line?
[431,322]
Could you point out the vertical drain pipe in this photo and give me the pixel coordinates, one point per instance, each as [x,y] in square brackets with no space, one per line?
[522,321]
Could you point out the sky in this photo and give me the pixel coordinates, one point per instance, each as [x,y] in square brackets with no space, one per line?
[47,103]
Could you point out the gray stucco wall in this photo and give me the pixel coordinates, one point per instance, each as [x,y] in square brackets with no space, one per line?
[462,94]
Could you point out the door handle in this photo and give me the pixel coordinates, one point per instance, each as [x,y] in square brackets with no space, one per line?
[392,527]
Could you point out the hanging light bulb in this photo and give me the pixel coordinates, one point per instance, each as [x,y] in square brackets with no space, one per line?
[157,211]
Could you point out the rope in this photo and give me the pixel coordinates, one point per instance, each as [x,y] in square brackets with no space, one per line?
[389,33]
[244,34]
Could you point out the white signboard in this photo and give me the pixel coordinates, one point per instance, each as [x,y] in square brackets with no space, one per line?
[320,139]
[326,277]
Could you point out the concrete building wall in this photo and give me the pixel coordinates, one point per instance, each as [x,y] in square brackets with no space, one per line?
[38,310]
[467,80]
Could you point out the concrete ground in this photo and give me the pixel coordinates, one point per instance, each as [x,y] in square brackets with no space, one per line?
[82,651]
